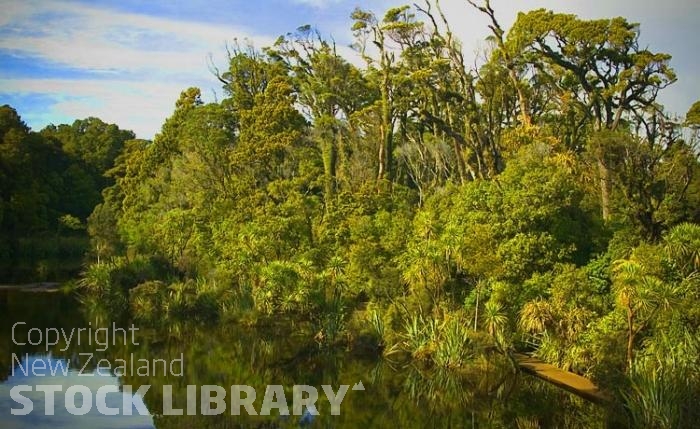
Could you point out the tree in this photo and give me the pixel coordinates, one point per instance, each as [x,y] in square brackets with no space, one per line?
[92,141]
[398,27]
[599,63]
[642,294]
[330,90]
[510,56]
[692,118]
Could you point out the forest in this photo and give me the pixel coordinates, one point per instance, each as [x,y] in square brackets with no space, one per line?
[543,201]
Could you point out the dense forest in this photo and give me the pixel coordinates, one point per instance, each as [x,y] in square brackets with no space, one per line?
[542,201]
[50,182]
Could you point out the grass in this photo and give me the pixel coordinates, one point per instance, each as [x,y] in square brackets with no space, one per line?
[445,342]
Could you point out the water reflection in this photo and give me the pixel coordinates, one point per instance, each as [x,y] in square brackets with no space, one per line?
[28,372]
[487,395]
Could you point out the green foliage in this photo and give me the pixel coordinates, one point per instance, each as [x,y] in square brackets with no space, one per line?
[378,326]
[280,288]
[692,118]
[444,342]
[48,189]
[545,203]
[663,391]
[147,300]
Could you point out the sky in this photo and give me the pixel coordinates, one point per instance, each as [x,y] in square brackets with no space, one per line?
[126,61]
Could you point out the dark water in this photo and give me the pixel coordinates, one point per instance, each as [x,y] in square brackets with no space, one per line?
[395,395]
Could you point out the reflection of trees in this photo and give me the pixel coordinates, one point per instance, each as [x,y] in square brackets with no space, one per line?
[485,394]
[38,310]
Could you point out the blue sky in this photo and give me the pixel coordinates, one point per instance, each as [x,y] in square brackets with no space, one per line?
[126,61]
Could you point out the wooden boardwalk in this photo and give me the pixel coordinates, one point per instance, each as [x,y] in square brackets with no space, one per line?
[574,383]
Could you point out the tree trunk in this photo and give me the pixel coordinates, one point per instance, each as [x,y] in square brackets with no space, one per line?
[381,159]
[329,154]
[522,100]
[388,143]
[387,148]
[604,174]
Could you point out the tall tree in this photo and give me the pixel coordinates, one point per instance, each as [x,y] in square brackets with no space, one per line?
[398,28]
[329,89]
[599,63]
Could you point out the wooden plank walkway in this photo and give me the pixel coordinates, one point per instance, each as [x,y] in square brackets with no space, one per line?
[574,383]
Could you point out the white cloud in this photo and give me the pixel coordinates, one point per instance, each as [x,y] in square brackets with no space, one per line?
[137,105]
[137,87]
[318,3]
[99,39]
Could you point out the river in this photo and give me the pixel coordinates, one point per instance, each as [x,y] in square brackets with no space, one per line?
[40,345]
